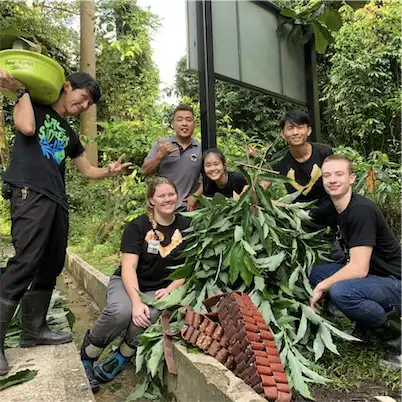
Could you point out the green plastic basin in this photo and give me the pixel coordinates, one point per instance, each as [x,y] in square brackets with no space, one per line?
[43,76]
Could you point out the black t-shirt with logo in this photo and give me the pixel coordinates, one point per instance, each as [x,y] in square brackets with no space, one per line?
[155,261]
[38,161]
[306,175]
[235,183]
[363,224]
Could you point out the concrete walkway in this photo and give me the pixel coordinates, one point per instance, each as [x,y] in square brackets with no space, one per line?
[60,377]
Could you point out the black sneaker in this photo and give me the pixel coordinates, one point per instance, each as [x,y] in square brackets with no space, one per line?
[392,360]
[89,371]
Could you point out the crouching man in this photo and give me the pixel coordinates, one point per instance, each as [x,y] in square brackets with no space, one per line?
[368,288]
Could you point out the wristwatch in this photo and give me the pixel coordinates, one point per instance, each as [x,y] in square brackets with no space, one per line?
[20,92]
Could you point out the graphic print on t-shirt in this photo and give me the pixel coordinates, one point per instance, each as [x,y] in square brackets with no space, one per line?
[164,251]
[314,176]
[53,139]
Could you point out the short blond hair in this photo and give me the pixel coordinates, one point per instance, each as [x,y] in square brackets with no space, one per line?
[339,158]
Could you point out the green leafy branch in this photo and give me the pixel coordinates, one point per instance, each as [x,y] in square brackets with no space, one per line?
[318,20]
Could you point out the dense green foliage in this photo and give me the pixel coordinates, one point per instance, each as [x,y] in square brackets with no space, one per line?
[125,69]
[361,93]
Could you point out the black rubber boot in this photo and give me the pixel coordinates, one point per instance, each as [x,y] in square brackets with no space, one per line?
[390,330]
[390,334]
[89,354]
[35,331]
[364,334]
[7,309]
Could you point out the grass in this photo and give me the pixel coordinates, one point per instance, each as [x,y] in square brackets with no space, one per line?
[104,262]
[356,365]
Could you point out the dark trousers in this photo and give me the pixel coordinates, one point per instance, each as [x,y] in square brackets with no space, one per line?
[364,300]
[39,229]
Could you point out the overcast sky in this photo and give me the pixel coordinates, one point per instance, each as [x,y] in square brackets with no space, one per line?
[169,42]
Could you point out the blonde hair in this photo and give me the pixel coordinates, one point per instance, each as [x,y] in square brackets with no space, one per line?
[155,182]
[337,157]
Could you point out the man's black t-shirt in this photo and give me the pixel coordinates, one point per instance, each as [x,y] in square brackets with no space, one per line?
[235,183]
[306,175]
[363,224]
[38,161]
[155,261]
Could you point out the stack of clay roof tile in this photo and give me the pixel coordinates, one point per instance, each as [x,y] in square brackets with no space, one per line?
[242,342]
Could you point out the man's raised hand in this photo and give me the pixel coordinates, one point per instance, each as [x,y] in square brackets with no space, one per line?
[165,148]
[117,167]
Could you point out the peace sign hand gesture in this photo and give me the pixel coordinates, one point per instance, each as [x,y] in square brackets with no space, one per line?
[117,167]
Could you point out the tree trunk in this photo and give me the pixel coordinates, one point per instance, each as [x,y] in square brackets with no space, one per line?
[87,64]
[3,140]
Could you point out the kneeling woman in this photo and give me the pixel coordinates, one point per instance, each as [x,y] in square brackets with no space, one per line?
[149,246]
[218,179]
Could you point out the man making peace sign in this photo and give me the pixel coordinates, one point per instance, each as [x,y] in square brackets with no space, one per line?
[34,182]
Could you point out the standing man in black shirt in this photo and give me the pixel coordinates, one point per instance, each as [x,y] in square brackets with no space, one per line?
[367,289]
[302,164]
[39,212]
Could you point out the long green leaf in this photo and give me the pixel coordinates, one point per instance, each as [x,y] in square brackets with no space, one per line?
[271,263]
[297,376]
[172,299]
[293,278]
[318,346]
[327,338]
[234,270]
[155,358]
[246,275]
[266,311]
[311,314]
[238,234]
[301,330]
[17,378]
[340,333]
[139,358]
[248,248]
[184,271]
[289,198]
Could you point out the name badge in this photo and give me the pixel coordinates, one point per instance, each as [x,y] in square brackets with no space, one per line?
[153,247]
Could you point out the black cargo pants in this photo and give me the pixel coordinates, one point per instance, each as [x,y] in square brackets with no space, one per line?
[39,229]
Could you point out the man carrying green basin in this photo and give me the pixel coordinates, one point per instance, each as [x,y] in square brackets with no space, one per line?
[34,182]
